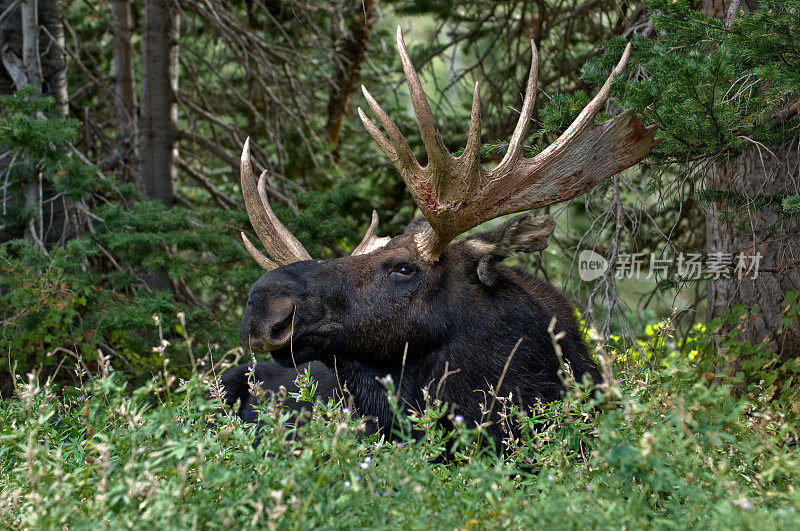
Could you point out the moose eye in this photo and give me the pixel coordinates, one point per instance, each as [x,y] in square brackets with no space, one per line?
[403,271]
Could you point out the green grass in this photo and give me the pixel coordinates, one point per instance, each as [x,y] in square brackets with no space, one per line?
[664,450]
[667,445]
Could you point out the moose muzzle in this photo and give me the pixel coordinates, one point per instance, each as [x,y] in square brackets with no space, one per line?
[268,325]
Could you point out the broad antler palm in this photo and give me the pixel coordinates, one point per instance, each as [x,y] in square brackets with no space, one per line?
[456,194]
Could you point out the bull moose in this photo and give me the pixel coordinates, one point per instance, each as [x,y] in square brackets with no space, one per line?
[447,315]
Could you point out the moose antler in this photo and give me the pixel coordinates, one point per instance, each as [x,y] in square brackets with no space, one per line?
[279,242]
[371,240]
[456,194]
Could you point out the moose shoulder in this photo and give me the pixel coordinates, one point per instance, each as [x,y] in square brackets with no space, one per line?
[445,314]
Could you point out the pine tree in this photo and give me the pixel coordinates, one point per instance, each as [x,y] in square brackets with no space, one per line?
[723,86]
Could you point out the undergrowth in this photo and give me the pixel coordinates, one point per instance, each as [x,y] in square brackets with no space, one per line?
[666,447]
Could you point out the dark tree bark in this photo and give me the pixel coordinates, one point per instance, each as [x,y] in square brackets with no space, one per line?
[53,54]
[776,240]
[124,90]
[32,75]
[347,66]
[158,101]
[10,46]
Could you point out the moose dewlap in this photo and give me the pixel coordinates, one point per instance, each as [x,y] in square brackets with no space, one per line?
[447,315]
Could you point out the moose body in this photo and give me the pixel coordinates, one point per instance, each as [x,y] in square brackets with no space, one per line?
[271,378]
[444,318]
[447,329]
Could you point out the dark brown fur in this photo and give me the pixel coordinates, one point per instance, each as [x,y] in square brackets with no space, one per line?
[357,314]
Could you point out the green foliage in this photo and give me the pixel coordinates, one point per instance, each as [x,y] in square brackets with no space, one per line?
[717,350]
[57,302]
[71,297]
[712,89]
[562,110]
[36,146]
[323,221]
[757,372]
[101,289]
[26,128]
[791,204]
[665,448]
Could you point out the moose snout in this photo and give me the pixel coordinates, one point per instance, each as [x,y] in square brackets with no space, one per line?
[267,324]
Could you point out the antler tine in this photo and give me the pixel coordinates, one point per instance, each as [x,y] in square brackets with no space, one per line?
[472,150]
[586,117]
[583,155]
[528,103]
[397,150]
[438,156]
[262,260]
[279,242]
[386,146]
[371,240]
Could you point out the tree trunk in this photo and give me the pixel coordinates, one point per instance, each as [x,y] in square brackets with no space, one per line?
[347,67]
[30,43]
[158,102]
[53,54]
[773,243]
[31,191]
[124,91]
[776,241]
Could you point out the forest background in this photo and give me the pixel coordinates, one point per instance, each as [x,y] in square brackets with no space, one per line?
[122,124]
[123,277]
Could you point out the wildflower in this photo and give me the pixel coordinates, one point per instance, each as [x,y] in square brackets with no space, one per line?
[157,319]
[357,478]
[346,411]
[378,445]
[367,459]
[364,465]
[458,419]
[743,503]
[550,478]
[386,380]
[347,483]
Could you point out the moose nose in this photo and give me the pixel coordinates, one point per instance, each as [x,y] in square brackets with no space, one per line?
[268,325]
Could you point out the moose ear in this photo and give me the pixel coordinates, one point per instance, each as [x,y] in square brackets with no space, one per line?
[524,233]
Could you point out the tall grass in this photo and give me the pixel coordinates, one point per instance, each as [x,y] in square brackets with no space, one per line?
[665,448]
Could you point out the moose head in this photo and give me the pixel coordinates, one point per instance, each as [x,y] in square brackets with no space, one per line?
[444,315]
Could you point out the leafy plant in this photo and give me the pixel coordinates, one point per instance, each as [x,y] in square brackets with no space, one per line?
[665,447]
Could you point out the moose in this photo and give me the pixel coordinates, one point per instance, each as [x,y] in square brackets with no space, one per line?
[441,317]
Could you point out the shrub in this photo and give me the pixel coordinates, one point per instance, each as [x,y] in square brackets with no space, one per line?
[666,448]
